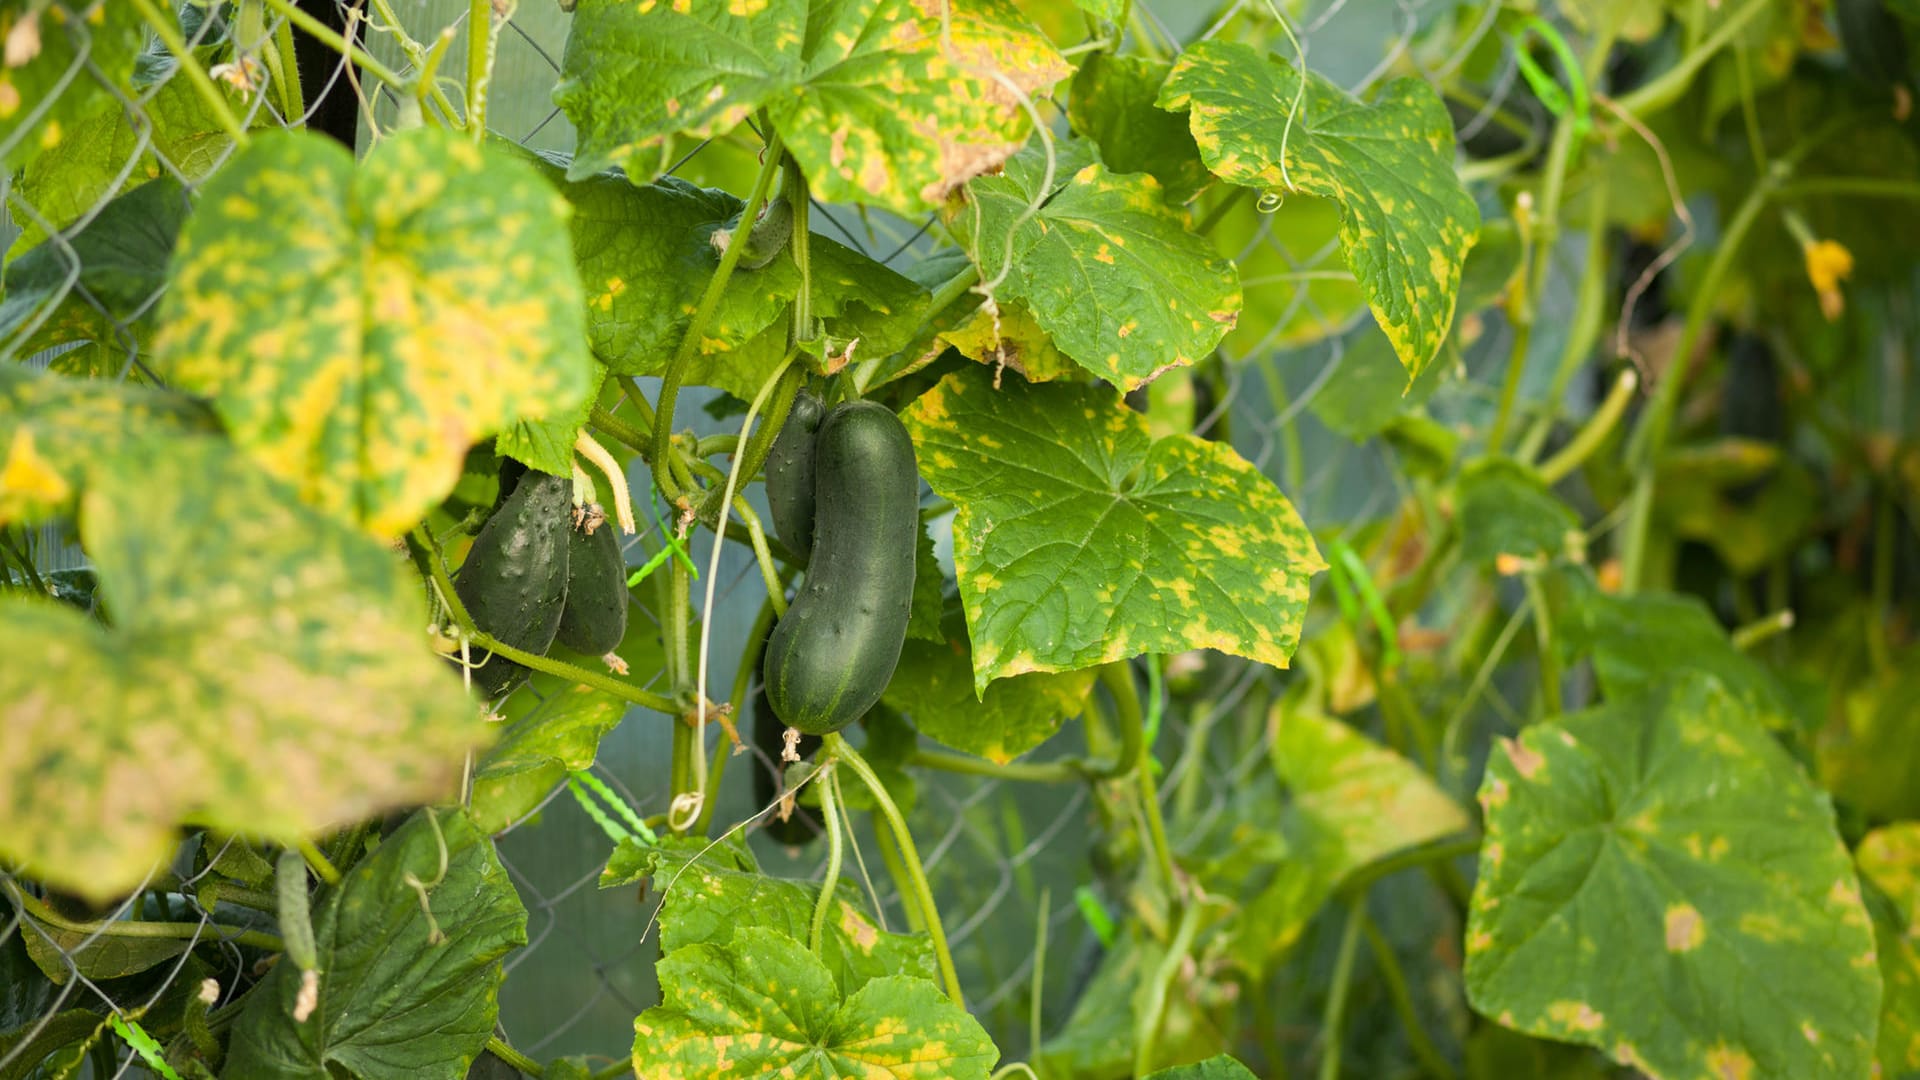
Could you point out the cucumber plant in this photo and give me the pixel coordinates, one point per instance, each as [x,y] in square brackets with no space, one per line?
[1279,550]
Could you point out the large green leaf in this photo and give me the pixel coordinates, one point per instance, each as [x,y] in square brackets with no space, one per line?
[1080,539]
[98,284]
[546,738]
[1503,508]
[266,674]
[53,430]
[709,897]
[1634,640]
[1652,869]
[1889,860]
[872,98]
[934,686]
[401,992]
[63,59]
[763,1005]
[1405,220]
[1105,266]
[65,182]
[1350,802]
[1112,104]
[646,255]
[60,954]
[1219,1067]
[419,301]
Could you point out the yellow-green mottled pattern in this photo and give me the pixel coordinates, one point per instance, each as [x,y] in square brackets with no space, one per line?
[58,52]
[1405,220]
[1351,802]
[1651,868]
[1112,104]
[1010,337]
[646,254]
[394,1002]
[764,1006]
[1503,508]
[98,281]
[57,433]
[552,736]
[65,182]
[934,686]
[1106,267]
[1889,858]
[357,344]
[875,106]
[265,674]
[1080,539]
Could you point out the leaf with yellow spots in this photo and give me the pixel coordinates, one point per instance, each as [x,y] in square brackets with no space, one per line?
[1661,880]
[646,255]
[1889,860]
[1080,539]
[422,299]
[762,1005]
[63,59]
[98,284]
[1349,802]
[878,101]
[1008,337]
[1112,104]
[265,674]
[1105,267]
[404,991]
[934,686]
[1405,220]
[709,896]
[57,434]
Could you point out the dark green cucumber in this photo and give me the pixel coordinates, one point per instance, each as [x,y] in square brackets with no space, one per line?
[790,476]
[770,739]
[514,582]
[595,616]
[834,651]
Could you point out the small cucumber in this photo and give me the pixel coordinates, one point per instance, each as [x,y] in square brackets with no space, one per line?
[770,739]
[514,582]
[790,476]
[594,619]
[834,651]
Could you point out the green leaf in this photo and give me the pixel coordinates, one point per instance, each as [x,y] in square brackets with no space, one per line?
[53,429]
[1868,753]
[1405,220]
[85,169]
[1350,803]
[1889,861]
[1080,539]
[26,995]
[1746,499]
[424,298]
[266,674]
[547,444]
[763,1005]
[929,591]
[1670,830]
[1112,103]
[1105,266]
[28,1046]
[1220,1067]
[1097,1040]
[709,900]
[63,60]
[100,280]
[646,255]
[871,101]
[1503,508]
[544,741]
[1633,640]
[394,998]
[934,686]
[1490,266]
[93,956]
[1369,390]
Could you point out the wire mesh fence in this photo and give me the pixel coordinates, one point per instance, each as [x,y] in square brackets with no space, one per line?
[1013,866]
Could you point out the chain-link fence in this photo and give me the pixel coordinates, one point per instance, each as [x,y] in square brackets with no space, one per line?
[1014,867]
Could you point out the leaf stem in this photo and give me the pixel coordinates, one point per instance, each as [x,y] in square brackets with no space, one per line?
[38,910]
[324,34]
[1594,432]
[317,861]
[697,326]
[622,432]
[1158,987]
[922,893]
[168,32]
[1660,92]
[483,38]
[513,1058]
[836,852]
[1748,637]
[1417,1038]
[1335,1017]
[1549,660]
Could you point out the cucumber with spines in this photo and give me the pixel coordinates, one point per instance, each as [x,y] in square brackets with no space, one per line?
[514,582]
[594,619]
[789,473]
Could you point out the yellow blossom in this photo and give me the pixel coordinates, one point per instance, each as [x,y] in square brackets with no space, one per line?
[1828,264]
